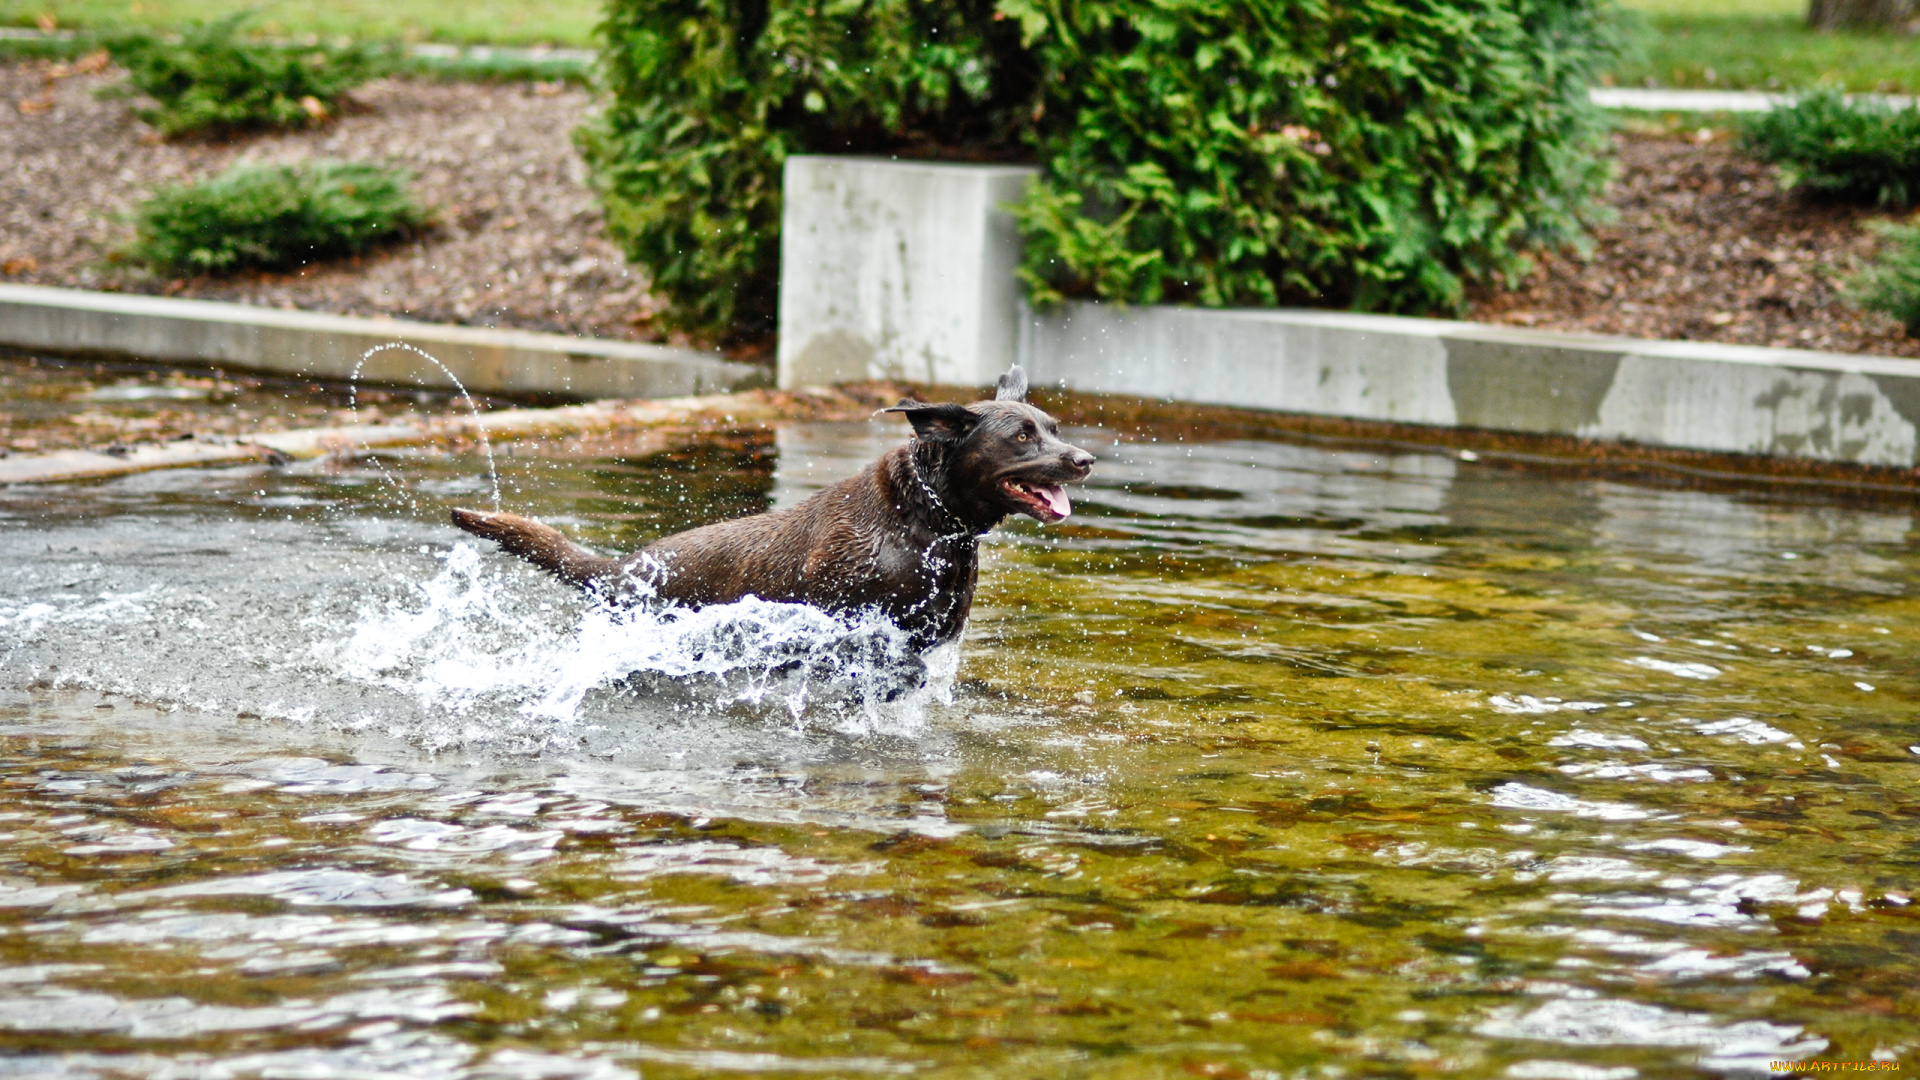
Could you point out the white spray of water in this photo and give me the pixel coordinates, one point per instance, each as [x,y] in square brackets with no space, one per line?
[463,643]
[486,445]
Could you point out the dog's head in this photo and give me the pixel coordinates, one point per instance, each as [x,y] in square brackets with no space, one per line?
[1001,456]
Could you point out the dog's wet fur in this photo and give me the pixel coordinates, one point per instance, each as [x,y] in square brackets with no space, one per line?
[902,537]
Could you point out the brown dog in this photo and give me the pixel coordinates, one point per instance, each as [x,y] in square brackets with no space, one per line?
[902,537]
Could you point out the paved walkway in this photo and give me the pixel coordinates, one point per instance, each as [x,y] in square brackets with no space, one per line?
[1710,101]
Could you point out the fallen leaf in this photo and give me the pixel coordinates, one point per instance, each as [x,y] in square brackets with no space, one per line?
[1076,1008]
[1304,969]
[1318,1019]
[923,977]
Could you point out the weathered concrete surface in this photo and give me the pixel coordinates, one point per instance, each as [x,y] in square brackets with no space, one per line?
[76,322]
[1692,395]
[897,270]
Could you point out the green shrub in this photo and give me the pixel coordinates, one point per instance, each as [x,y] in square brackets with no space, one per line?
[1376,154]
[709,97]
[273,217]
[213,80]
[1866,151]
[1891,283]
[1372,153]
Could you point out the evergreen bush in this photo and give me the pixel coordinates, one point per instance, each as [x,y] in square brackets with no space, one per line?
[707,98]
[1378,154]
[1891,283]
[1863,150]
[273,217]
[215,81]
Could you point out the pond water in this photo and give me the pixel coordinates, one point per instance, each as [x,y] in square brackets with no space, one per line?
[1273,760]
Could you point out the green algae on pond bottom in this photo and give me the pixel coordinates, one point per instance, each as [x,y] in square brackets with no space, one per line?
[1271,761]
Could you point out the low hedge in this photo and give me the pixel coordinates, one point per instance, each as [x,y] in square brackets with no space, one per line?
[1862,151]
[1378,154]
[273,217]
[1891,282]
[212,80]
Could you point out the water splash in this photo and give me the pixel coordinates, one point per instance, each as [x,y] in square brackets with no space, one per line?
[464,645]
[486,444]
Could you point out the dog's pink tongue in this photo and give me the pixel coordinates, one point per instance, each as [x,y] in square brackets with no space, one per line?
[1056,498]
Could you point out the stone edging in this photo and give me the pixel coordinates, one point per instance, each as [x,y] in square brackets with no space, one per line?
[1862,410]
[75,322]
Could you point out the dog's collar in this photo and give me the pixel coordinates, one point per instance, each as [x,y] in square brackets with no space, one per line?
[913,466]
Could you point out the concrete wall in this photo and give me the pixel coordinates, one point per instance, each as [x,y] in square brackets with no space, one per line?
[74,322]
[1695,395]
[905,270]
[897,269]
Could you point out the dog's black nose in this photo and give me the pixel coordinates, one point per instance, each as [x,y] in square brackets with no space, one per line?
[1080,459]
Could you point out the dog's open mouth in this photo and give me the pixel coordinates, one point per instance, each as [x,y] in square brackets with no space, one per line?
[1046,502]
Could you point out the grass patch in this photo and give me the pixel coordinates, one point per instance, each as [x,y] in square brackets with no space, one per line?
[500,22]
[213,80]
[46,48]
[273,217]
[1891,283]
[1760,45]
[1863,152]
[480,66]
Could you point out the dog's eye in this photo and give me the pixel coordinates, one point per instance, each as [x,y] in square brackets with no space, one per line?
[1023,436]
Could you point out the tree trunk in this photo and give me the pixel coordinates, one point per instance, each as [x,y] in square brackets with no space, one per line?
[1862,14]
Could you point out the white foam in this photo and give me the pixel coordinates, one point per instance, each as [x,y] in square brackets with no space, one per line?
[1683,669]
[462,644]
[1751,732]
[1745,1045]
[1598,740]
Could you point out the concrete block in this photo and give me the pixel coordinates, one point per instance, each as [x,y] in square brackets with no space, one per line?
[898,269]
[1691,395]
[75,322]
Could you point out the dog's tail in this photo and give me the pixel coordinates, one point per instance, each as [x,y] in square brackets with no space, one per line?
[541,545]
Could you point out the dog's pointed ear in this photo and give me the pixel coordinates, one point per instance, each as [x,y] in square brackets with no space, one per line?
[1012,386]
[942,421]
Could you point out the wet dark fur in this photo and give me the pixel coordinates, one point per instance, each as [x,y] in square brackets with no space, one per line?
[883,539]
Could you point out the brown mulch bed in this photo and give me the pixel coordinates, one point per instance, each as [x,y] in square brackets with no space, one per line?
[519,241]
[1706,247]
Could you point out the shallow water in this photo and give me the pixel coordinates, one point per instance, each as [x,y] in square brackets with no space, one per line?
[48,404]
[1272,761]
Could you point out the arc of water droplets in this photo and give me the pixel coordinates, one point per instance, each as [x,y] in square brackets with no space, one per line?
[486,444]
